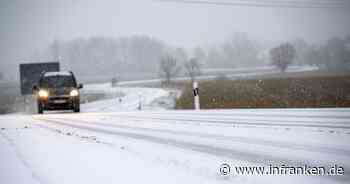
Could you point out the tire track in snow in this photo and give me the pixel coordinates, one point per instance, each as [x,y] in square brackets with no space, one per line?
[20,157]
[290,145]
[255,122]
[260,114]
[208,149]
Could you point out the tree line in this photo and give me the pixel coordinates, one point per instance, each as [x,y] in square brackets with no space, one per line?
[150,58]
[334,55]
[239,51]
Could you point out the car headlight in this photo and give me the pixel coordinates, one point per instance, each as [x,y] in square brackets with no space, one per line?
[74,92]
[43,93]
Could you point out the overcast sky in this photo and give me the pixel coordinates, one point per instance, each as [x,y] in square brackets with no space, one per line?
[29,25]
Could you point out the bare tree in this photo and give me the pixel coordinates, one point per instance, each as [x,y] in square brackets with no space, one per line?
[282,56]
[215,58]
[239,50]
[200,54]
[180,55]
[169,68]
[192,68]
[302,51]
[337,55]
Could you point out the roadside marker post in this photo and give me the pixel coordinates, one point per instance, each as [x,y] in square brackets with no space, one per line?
[139,107]
[196,96]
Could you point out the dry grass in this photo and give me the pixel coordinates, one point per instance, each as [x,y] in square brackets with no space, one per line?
[301,92]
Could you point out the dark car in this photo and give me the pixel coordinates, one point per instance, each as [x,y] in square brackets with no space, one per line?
[58,91]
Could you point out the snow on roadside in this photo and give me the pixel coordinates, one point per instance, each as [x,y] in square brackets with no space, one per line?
[58,155]
[292,145]
[13,170]
[58,158]
[132,99]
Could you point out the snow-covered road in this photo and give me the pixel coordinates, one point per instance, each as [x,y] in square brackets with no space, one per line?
[172,146]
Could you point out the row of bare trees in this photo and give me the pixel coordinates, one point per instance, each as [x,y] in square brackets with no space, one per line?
[238,50]
[145,56]
[124,56]
[170,67]
[333,56]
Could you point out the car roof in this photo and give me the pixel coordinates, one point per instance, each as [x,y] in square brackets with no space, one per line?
[63,73]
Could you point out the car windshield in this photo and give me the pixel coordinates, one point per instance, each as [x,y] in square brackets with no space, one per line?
[57,81]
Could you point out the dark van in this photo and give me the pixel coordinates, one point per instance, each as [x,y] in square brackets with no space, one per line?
[57,91]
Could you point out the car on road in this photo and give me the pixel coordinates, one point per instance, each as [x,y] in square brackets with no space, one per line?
[57,91]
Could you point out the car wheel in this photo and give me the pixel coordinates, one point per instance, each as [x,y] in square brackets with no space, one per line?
[76,107]
[40,108]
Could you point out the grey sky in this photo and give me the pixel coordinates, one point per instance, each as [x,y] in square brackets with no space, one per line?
[29,25]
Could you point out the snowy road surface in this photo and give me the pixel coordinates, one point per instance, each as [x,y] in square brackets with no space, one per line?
[172,146]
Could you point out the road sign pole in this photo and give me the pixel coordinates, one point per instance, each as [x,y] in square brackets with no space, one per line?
[196,96]
[24,103]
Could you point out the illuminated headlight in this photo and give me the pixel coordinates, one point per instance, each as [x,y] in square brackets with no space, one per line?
[43,93]
[74,92]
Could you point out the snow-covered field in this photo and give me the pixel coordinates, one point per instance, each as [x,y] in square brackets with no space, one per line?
[113,142]
[132,98]
[229,73]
